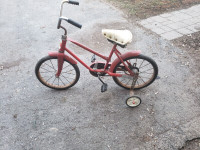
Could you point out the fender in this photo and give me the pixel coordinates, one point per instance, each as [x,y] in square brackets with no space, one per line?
[55,54]
[123,56]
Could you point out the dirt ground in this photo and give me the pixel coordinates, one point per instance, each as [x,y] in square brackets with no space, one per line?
[191,45]
[146,8]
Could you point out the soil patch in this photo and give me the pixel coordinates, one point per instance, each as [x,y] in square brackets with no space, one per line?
[191,45]
[146,8]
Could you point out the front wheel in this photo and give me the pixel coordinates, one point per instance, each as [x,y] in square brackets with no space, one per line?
[46,69]
[145,66]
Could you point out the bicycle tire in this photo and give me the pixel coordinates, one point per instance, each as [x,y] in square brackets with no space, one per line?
[142,59]
[51,66]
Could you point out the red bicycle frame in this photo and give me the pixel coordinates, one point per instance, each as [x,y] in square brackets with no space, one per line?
[61,56]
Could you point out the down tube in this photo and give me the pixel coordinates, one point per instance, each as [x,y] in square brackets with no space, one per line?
[78,59]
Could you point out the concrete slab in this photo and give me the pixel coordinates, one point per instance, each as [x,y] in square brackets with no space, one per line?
[184,31]
[181,21]
[171,35]
[158,30]
[166,28]
[177,25]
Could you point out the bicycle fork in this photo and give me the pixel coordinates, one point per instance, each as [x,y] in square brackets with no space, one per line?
[60,64]
[60,55]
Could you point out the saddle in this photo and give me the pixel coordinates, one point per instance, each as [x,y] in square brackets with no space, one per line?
[119,37]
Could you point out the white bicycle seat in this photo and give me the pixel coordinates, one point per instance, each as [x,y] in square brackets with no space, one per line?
[122,37]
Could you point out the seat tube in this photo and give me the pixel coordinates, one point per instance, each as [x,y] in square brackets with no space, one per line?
[111,53]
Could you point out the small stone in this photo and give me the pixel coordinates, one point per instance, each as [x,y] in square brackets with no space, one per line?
[53,129]
[18,90]
[141,117]
[1,67]
[15,116]
[156,93]
[73,128]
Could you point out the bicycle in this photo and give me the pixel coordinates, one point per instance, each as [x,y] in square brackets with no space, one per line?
[130,70]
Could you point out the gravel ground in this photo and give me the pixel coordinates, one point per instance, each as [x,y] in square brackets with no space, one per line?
[35,117]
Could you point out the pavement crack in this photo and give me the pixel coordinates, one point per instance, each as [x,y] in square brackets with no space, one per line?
[189,143]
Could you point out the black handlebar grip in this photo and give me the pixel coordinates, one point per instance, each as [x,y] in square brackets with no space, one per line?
[73,2]
[74,23]
[59,23]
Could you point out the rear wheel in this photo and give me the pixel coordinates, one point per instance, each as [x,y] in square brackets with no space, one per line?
[46,69]
[145,66]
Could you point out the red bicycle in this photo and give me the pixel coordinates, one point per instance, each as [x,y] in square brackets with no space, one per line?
[130,70]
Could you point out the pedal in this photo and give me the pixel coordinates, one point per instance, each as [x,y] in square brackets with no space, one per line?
[157,77]
[104,87]
[93,58]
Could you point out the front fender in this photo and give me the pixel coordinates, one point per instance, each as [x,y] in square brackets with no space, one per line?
[123,56]
[55,54]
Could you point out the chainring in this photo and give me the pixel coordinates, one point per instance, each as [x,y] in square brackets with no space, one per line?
[99,66]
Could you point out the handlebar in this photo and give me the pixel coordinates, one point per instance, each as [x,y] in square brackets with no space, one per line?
[66,19]
[73,2]
[74,23]
[69,21]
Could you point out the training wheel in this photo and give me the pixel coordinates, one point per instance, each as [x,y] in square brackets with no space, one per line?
[133,101]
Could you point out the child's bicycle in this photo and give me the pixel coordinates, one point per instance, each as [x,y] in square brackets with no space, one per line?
[130,70]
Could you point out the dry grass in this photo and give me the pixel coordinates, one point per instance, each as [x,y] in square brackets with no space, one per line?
[147,8]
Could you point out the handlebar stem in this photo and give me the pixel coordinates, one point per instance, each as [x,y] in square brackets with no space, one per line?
[64,30]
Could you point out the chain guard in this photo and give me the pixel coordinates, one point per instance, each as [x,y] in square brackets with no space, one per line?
[99,66]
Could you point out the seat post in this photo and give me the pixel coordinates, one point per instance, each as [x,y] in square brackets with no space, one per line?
[114,46]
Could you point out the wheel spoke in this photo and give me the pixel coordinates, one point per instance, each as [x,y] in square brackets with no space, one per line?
[128,82]
[65,78]
[68,71]
[141,64]
[141,79]
[45,69]
[47,72]
[45,77]
[62,81]
[54,80]
[49,66]
[52,65]
[145,65]
[66,66]
[146,70]
[144,77]
[49,79]
[137,82]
